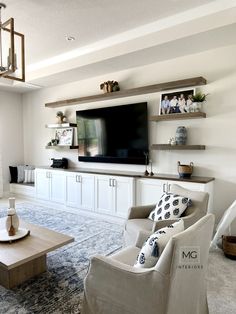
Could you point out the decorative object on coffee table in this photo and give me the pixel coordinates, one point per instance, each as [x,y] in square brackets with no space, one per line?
[229,246]
[181,135]
[185,171]
[20,234]
[12,221]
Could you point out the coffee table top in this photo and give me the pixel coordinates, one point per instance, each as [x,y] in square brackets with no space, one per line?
[40,241]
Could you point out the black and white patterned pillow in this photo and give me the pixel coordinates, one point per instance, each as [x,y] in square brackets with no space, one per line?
[155,244]
[170,206]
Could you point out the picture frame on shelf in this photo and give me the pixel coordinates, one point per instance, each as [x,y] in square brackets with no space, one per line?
[178,101]
[64,136]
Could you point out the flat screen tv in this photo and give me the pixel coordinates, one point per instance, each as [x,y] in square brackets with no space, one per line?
[113,134]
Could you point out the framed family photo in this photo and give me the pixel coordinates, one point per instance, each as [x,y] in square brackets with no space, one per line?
[64,136]
[179,101]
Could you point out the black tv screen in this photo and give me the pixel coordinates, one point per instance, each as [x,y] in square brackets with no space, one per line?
[113,134]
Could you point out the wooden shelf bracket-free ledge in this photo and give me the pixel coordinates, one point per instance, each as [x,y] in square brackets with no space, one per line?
[195,81]
[62,146]
[177,147]
[178,116]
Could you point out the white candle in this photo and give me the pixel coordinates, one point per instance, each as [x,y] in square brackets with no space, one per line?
[11,202]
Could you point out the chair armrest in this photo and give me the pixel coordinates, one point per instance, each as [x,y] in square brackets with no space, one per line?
[188,221]
[143,235]
[140,211]
[162,224]
[111,264]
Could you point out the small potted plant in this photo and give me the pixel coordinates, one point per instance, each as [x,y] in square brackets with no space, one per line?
[59,116]
[110,86]
[197,100]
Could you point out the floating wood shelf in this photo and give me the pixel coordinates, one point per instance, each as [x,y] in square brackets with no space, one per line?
[195,81]
[177,147]
[178,116]
[62,146]
[60,125]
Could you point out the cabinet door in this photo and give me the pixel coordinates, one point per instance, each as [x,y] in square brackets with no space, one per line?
[42,184]
[86,195]
[149,191]
[123,195]
[104,194]
[72,189]
[57,186]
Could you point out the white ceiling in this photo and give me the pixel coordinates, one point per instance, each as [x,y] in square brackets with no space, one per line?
[114,35]
[45,23]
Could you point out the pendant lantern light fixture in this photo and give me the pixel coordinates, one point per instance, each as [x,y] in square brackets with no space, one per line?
[12,50]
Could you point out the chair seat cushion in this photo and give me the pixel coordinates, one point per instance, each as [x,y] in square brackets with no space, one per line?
[127,255]
[170,206]
[155,244]
[132,228]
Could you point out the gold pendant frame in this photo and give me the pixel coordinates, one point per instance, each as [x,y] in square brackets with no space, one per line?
[8,26]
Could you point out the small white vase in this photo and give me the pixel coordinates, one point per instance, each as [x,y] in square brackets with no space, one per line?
[197,106]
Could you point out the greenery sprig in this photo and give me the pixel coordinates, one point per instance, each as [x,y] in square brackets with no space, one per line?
[199,97]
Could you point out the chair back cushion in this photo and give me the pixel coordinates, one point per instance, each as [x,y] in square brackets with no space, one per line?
[199,199]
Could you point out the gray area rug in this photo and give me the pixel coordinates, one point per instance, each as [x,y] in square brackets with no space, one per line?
[221,284]
[60,289]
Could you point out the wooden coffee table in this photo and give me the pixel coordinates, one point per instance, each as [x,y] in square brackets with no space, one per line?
[26,258]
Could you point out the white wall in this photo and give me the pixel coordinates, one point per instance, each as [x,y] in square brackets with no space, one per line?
[217,132]
[11,133]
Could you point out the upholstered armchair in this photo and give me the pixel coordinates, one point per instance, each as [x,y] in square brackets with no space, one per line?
[175,285]
[138,216]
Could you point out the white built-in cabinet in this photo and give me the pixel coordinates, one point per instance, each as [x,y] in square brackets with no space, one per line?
[114,194]
[80,190]
[149,191]
[105,194]
[50,185]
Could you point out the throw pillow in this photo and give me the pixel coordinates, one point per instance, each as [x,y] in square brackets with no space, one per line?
[13,174]
[29,176]
[20,172]
[170,206]
[155,244]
